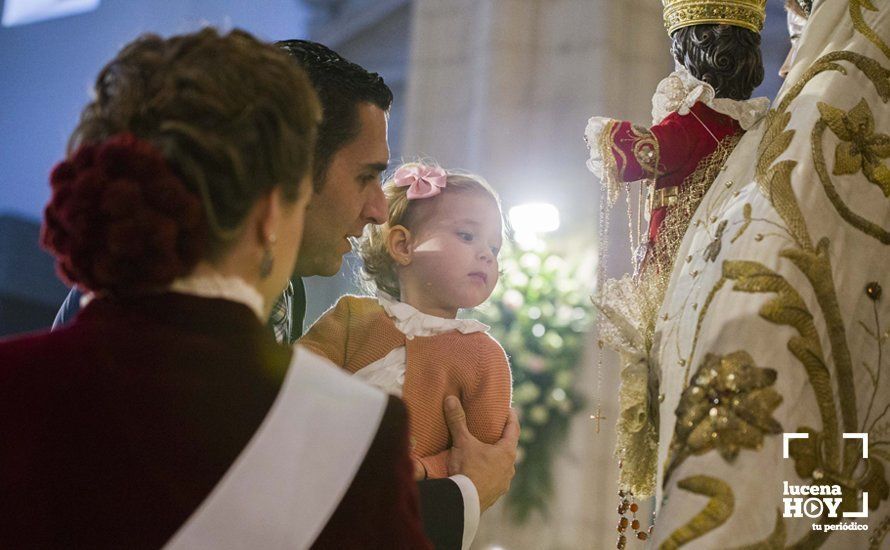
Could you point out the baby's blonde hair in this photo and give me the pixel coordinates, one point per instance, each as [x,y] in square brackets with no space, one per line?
[379,268]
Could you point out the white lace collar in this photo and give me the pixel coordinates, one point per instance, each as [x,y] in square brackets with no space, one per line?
[412,322]
[680,91]
[230,288]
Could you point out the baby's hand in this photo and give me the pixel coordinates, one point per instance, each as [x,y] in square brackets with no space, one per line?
[419,470]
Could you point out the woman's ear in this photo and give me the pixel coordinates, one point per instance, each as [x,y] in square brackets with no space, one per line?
[270,213]
[398,244]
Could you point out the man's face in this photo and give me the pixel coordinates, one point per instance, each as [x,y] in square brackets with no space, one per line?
[350,198]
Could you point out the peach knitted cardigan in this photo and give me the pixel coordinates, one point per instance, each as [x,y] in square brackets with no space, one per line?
[357,332]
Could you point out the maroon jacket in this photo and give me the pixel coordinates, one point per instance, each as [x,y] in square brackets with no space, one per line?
[114,429]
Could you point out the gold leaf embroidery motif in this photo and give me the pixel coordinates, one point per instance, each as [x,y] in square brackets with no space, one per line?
[866,226]
[788,308]
[715,513]
[713,248]
[746,216]
[875,541]
[646,150]
[860,25]
[860,147]
[728,406]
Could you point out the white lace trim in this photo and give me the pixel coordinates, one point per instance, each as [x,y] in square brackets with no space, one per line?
[388,373]
[412,322]
[230,288]
[680,91]
[596,125]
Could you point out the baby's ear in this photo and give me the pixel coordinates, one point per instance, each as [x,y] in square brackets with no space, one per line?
[398,244]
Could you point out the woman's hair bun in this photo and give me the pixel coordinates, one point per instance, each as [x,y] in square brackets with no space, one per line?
[120,220]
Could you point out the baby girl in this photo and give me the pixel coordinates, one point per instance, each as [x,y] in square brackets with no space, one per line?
[436,254]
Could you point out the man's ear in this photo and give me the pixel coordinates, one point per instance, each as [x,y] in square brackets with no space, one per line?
[398,244]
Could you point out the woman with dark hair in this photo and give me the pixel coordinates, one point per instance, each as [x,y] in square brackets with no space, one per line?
[166,411]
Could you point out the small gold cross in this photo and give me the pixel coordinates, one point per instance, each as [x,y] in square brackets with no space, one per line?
[598,416]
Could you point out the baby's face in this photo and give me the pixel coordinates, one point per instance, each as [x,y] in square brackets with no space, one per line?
[455,250]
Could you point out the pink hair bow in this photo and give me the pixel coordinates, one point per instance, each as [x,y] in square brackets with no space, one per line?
[421,180]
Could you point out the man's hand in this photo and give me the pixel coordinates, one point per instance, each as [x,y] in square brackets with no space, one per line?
[489,467]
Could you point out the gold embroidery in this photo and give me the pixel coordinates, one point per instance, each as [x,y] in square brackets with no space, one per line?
[728,406]
[678,217]
[788,308]
[612,178]
[824,455]
[629,306]
[816,266]
[713,248]
[860,25]
[819,456]
[860,147]
[874,482]
[877,537]
[878,75]
[857,221]
[646,150]
[698,324]
[746,216]
[748,14]
[774,181]
[715,513]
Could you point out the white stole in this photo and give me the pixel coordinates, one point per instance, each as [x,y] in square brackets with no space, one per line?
[284,486]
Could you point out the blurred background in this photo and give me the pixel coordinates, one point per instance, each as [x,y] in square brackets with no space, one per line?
[502,88]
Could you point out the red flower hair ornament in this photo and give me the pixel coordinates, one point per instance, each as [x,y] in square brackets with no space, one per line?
[120,220]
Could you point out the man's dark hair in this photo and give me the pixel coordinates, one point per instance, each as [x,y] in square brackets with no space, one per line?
[341,85]
[725,56]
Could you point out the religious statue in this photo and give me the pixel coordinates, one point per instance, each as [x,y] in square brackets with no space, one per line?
[699,113]
[770,345]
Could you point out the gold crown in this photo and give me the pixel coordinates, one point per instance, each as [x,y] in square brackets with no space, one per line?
[748,14]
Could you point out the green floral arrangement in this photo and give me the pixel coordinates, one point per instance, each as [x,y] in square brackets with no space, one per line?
[539,313]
